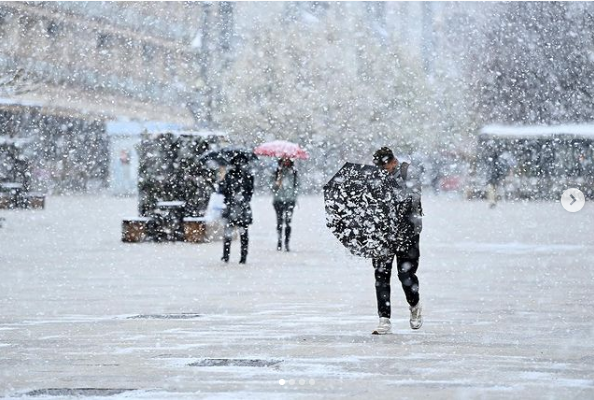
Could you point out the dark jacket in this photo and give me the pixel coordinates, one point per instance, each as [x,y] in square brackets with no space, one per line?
[237,187]
[497,170]
[405,187]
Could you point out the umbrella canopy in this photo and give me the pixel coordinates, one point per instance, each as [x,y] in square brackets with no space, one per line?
[281,149]
[226,155]
[358,210]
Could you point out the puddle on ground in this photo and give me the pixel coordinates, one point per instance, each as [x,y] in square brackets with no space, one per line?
[77,392]
[166,316]
[234,362]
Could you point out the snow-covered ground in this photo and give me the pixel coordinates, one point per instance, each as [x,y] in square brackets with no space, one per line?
[507,295]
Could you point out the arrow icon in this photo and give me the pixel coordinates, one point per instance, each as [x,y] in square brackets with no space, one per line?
[573,200]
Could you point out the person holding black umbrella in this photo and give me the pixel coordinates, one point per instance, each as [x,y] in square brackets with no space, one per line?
[237,188]
[404,189]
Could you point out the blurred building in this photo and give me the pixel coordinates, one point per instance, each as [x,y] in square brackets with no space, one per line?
[110,58]
[77,65]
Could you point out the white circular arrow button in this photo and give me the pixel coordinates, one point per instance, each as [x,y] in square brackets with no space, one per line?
[573,200]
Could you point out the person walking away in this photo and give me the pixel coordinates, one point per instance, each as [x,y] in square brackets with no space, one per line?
[237,188]
[495,177]
[284,190]
[404,195]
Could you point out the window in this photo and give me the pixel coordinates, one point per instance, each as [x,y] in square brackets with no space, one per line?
[53,29]
[148,53]
[27,24]
[103,41]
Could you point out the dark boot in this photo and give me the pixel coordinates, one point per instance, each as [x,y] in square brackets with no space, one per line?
[226,250]
[287,237]
[279,243]
[244,247]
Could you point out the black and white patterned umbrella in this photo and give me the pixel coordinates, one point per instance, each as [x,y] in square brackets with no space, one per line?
[358,210]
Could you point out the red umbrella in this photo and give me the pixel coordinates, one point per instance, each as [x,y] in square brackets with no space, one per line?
[281,149]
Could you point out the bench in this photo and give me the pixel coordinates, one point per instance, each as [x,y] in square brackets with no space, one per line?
[134,229]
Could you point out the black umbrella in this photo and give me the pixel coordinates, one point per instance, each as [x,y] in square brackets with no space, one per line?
[226,155]
[358,210]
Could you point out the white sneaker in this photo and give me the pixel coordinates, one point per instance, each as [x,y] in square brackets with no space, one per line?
[416,319]
[383,328]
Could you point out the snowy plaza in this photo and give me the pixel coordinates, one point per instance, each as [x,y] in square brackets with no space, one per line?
[507,296]
[153,154]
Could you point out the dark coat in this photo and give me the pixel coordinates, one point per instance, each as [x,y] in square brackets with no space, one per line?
[237,187]
[497,170]
[407,211]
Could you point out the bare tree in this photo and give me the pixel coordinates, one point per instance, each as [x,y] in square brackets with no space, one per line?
[539,65]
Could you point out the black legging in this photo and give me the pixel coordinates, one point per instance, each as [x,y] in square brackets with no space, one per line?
[284,215]
[243,240]
[407,264]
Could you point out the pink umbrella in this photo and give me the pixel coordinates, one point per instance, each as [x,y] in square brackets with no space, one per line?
[281,149]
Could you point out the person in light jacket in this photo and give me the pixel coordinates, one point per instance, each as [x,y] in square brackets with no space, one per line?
[285,187]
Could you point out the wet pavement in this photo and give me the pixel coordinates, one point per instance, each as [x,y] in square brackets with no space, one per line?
[507,297]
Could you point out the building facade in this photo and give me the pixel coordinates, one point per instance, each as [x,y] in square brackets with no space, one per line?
[129,59]
[73,66]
